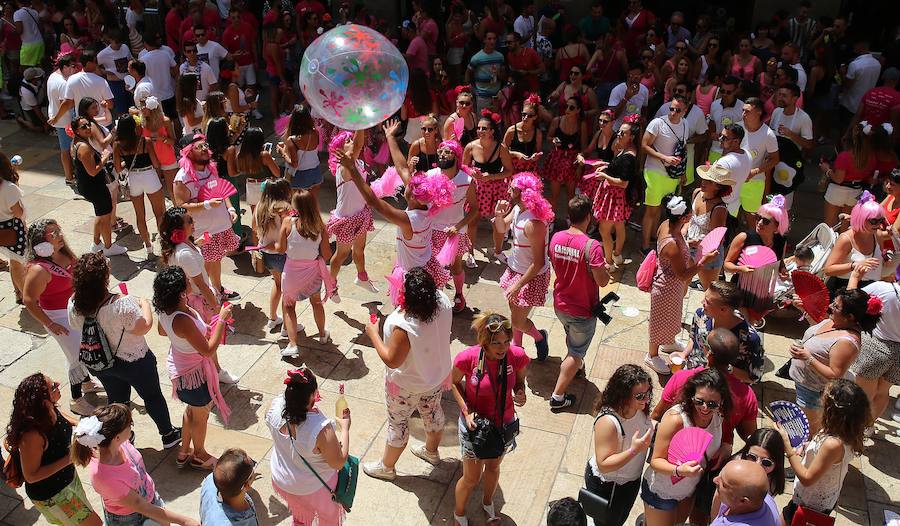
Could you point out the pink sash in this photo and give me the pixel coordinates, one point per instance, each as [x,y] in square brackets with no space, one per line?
[300,275]
[190,370]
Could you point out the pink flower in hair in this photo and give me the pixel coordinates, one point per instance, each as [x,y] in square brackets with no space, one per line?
[874,306]
[177,236]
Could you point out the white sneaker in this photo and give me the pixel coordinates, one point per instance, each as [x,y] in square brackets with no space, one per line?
[290,351]
[226,377]
[148,249]
[114,250]
[432,458]
[671,347]
[335,298]
[97,247]
[618,260]
[256,114]
[271,324]
[896,417]
[324,338]
[657,364]
[82,407]
[469,260]
[284,331]
[364,284]
[378,471]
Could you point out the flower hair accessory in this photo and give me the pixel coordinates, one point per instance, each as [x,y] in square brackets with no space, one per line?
[151,102]
[676,205]
[296,375]
[631,119]
[887,127]
[177,236]
[865,197]
[866,127]
[461,89]
[69,131]
[777,200]
[534,99]
[87,432]
[490,115]
[43,249]
[874,306]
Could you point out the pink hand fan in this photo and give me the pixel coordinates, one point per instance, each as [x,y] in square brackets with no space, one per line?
[688,444]
[459,126]
[251,249]
[216,188]
[712,240]
[757,256]
[813,292]
[595,163]
[124,288]
[448,251]
[281,124]
[387,184]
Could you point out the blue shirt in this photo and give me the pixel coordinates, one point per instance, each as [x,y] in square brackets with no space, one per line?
[766,515]
[486,72]
[750,351]
[214,512]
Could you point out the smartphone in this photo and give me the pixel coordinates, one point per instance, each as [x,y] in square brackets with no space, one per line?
[267,147]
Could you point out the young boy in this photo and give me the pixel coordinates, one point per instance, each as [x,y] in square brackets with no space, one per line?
[223,494]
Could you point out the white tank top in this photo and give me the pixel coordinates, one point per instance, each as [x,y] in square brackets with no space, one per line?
[349,200]
[306,160]
[415,252]
[271,234]
[639,423]
[242,101]
[858,257]
[428,362]
[452,215]
[823,494]
[179,343]
[520,257]
[299,247]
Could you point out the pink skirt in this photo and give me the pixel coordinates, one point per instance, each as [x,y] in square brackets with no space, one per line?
[220,245]
[589,185]
[439,237]
[521,165]
[488,193]
[560,166]
[303,279]
[610,204]
[533,294]
[305,509]
[347,229]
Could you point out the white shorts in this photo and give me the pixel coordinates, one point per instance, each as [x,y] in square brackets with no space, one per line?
[843,196]
[143,181]
[248,76]
[254,191]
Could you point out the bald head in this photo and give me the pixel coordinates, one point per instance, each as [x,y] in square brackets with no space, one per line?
[723,347]
[743,486]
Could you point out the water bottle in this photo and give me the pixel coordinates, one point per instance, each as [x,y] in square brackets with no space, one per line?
[341,403]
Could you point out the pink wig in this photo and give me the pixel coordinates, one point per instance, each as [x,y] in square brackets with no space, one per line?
[533,195]
[435,191]
[186,164]
[775,209]
[866,208]
[337,143]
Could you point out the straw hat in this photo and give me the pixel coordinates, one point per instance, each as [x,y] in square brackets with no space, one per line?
[716,174]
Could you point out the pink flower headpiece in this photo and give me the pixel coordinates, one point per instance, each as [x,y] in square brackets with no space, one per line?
[532,195]
[296,375]
[874,306]
[436,191]
[486,113]
[461,89]
[534,99]
[178,235]
[631,119]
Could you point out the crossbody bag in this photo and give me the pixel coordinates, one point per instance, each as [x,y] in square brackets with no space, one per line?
[345,490]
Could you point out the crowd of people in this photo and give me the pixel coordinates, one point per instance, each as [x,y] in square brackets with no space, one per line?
[556,135]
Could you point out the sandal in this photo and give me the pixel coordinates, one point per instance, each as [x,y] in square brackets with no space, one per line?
[206,465]
[180,462]
[492,517]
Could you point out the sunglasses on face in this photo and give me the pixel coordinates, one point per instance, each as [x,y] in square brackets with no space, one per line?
[762,219]
[54,387]
[526,115]
[602,122]
[498,325]
[674,110]
[463,103]
[55,234]
[765,462]
[190,51]
[712,405]
[574,73]
[201,146]
[646,395]
[620,133]
[875,221]
[428,129]
[724,138]
[482,128]
[571,107]
[84,126]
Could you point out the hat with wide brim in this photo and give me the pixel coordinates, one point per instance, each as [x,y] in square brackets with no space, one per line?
[716,174]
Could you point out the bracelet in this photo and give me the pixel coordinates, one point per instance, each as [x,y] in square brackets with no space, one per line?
[675,473]
[206,205]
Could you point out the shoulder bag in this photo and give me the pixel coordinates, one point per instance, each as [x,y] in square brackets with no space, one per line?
[488,438]
[594,505]
[345,490]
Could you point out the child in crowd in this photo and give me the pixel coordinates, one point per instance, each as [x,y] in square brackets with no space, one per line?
[223,495]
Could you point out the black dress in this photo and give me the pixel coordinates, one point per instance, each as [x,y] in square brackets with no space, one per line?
[92,188]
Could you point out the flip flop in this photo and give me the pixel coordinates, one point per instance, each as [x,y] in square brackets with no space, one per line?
[180,463]
[206,465]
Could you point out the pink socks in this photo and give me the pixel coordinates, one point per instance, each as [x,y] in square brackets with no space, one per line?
[458,282]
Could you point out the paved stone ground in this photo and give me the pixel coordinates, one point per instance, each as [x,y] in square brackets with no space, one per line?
[553,448]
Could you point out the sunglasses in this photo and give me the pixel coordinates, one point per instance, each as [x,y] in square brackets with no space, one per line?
[571,107]
[765,462]
[620,133]
[482,128]
[712,405]
[526,115]
[574,73]
[463,103]
[876,221]
[428,129]
[499,324]
[674,110]
[201,146]
[191,51]
[646,395]
[764,220]
[84,126]
[603,122]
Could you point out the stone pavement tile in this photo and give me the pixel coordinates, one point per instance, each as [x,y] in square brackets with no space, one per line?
[248,411]
[408,500]
[19,319]
[853,492]
[267,374]
[580,446]
[15,344]
[850,515]
[361,372]
[607,358]
[882,473]
[535,414]
[251,314]
[630,296]
[38,204]
[47,358]
[6,399]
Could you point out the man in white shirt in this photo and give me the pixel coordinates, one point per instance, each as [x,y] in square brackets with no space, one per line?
[790,54]
[736,161]
[629,97]
[697,126]
[56,94]
[206,80]
[26,20]
[524,25]
[725,110]
[113,61]
[762,146]
[664,138]
[861,76]
[87,83]
[143,86]
[794,130]
[162,70]
[31,99]
[210,51]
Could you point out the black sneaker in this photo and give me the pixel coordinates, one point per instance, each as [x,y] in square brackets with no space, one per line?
[172,438]
[542,346]
[559,405]
[229,295]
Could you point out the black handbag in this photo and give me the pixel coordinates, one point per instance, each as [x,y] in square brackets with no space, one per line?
[489,439]
[596,506]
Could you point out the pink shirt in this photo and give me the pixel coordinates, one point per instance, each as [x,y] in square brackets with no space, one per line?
[114,482]
[417,54]
[575,290]
[743,399]
[846,162]
[485,404]
[878,103]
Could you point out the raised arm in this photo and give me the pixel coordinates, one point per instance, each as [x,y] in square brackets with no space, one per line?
[395,216]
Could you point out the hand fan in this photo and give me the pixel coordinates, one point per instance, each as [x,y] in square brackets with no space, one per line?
[813,292]
[123,288]
[712,240]
[596,163]
[216,188]
[459,127]
[251,249]
[688,444]
[448,251]
[757,256]
[281,124]
[792,419]
[387,184]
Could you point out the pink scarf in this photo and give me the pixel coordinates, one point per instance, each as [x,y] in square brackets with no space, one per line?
[302,272]
[190,370]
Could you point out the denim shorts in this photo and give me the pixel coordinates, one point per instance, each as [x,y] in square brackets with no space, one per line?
[65,142]
[652,499]
[307,178]
[807,398]
[132,519]
[714,264]
[196,397]
[274,262]
[579,332]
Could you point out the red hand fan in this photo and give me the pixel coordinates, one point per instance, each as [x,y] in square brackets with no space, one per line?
[813,292]
[688,444]
[712,240]
[757,256]
[216,188]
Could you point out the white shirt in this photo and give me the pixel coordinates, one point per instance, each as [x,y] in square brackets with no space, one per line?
[667,136]
[738,165]
[31,33]
[722,116]
[864,70]
[190,259]
[349,200]
[211,53]
[117,319]
[115,61]
[84,84]
[757,144]
[521,256]
[288,471]
[159,69]
[696,120]
[10,194]
[634,104]
[524,26]
[428,362]
[801,76]
[888,327]
[132,18]
[798,122]
[215,219]
[56,94]
[142,90]
[27,99]
[204,72]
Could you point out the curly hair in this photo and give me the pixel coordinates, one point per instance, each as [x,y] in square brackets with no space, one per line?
[28,410]
[37,233]
[114,418]
[173,219]
[855,303]
[168,286]
[845,412]
[420,295]
[90,279]
[617,392]
[435,191]
[711,379]
[297,394]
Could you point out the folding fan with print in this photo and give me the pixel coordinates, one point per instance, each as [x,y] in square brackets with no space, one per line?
[688,444]
[812,292]
[712,240]
[216,188]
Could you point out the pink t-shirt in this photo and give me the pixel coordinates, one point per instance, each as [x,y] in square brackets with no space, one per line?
[743,399]
[417,54]
[486,401]
[846,162]
[878,103]
[575,290]
[114,482]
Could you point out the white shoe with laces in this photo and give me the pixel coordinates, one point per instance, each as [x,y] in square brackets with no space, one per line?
[378,471]
[284,331]
[657,364]
[114,250]
[324,338]
[290,351]
[226,377]
[364,284]
[98,247]
[422,452]
[271,324]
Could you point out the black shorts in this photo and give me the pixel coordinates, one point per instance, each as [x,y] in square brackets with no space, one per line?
[97,195]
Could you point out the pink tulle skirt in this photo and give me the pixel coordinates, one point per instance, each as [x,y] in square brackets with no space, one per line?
[305,509]
[439,238]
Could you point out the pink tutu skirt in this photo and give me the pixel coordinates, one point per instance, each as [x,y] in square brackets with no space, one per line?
[560,166]
[488,193]
[220,245]
[347,229]
[589,185]
[533,294]
[439,237]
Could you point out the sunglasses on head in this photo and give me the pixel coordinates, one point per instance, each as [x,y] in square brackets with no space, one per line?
[499,324]
[762,219]
[765,462]
[712,405]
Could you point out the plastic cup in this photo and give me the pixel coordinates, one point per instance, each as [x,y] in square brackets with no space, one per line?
[373,318]
[677,363]
[123,288]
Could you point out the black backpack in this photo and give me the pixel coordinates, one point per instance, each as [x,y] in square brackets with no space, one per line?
[94,351]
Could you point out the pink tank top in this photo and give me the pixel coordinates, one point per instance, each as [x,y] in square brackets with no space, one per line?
[746,71]
[59,290]
[705,101]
